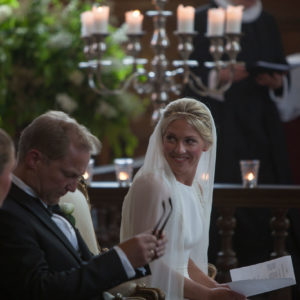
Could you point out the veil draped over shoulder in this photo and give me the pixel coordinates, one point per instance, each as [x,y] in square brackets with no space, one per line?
[142,207]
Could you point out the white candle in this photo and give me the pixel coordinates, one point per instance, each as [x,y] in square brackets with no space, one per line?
[87,23]
[101,15]
[215,21]
[185,19]
[234,19]
[134,21]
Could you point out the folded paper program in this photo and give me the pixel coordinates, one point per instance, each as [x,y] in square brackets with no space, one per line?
[263,277]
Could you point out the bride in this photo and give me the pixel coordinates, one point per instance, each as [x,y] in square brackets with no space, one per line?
[179,164]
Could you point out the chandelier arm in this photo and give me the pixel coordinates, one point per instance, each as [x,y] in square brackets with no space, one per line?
[198,83]
[101,89]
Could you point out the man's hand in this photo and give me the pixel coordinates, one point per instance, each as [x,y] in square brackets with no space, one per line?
[143,248]
[274,81]
[239,74]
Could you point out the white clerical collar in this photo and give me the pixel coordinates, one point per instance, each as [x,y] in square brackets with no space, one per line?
[23,186]
[249,15]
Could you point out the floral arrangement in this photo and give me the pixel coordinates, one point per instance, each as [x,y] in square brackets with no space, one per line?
[40,50]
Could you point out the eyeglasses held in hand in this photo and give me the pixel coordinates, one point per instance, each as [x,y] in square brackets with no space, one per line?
[161,229]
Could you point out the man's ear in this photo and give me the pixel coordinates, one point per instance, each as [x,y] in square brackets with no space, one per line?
[33,158]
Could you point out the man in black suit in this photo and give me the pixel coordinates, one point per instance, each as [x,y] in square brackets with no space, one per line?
[42,256]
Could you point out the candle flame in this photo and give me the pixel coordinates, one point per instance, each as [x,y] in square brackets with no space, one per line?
[123,175]
[136,13]
[250,176]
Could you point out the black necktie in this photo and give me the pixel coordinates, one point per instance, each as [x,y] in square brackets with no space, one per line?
[55,209]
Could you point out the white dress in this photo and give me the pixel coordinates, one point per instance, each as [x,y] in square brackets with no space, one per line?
[186,231]
[192,212]
[188,227]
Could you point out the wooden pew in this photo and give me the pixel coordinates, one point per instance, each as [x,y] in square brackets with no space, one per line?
[107,197]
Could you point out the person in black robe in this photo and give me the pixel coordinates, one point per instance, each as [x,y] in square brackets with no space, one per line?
[248,123]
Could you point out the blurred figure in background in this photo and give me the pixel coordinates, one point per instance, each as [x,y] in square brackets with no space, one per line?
[247,122]
[7,163]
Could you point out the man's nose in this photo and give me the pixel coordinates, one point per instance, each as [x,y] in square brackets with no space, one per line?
[72,185]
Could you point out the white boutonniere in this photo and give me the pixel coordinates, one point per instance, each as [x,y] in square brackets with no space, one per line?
[68,209]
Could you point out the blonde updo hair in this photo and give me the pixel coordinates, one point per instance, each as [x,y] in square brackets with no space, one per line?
[194,112]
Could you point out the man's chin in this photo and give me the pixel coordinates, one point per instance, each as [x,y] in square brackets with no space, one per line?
[53,201]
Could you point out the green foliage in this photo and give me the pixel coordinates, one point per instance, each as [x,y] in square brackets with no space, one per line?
[40,50]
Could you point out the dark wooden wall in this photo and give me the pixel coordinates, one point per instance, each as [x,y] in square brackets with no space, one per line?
[286,12]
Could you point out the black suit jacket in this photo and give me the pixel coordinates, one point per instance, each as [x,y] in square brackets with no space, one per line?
[38,262]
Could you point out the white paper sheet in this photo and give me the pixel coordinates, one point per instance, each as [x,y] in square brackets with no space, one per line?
[263,277]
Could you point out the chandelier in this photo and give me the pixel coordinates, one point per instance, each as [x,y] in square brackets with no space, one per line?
[161,79]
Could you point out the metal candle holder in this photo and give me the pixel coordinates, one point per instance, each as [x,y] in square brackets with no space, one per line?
[160,79]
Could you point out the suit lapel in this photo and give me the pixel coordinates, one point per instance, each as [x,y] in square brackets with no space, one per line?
[35,207]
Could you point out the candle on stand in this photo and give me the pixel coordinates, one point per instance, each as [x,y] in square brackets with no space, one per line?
[123,176]
[234,19]
[101,15]
[185,19]
[215,22]
[134,21]
[249,170]
[87,23]
[250,179]
[124,169]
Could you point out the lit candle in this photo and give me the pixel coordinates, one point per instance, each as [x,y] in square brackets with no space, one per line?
[185,19]
[123,176]
[250,180]
[87,23]
[215,22]
[101,15]
[234,19]
[86,175]
[134,21]
[250,176]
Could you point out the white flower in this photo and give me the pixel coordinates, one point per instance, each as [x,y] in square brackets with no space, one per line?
[5,12]
[60,40]
[67,207]
[119,36]
[76,77]
[66,103]
[106,110]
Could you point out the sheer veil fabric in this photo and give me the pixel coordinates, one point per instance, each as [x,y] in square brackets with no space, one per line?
[142,208]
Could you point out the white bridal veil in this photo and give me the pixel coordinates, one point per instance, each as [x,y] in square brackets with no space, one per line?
[142,208]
